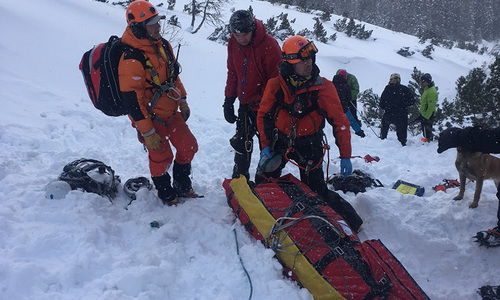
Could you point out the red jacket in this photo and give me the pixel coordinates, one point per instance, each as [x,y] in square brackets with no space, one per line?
[250,67]
[329,107]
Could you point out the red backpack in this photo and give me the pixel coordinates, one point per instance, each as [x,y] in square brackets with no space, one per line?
[99,67]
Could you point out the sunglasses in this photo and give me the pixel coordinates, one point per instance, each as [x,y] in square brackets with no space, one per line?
[306,52]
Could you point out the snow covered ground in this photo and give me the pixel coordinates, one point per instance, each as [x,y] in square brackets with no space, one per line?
[84,247]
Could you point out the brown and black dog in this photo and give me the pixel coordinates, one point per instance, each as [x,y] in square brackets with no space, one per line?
[477,166]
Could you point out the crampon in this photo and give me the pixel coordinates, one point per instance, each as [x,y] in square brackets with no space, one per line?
[488,238]
[489,292]
[190,194]
[447,183]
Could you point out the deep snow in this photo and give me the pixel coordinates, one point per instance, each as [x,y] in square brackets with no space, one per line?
[84,247]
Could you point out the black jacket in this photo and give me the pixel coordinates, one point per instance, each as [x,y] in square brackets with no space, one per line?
[343,90]
[395,100]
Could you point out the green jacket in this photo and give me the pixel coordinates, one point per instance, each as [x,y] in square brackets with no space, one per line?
[428,102]
[353,83]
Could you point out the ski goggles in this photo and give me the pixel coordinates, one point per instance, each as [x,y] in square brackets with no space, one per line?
[307,51]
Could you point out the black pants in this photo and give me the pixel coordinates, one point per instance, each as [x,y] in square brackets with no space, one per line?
[307,153]
[353,107]
[242,141]
[401,123]
[427,127]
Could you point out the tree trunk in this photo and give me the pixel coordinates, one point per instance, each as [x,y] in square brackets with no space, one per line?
[204,17]
[193,12]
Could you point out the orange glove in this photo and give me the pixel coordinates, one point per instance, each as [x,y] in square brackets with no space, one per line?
[153,141]
[185,111]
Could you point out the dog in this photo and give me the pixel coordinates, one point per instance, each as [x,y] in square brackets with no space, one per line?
[477,166]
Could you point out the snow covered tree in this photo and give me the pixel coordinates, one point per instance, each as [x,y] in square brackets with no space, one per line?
[209,10]
[340,25]
[319,30]
[427,52]
[351,28]
[405,51]
[371,107]
[171,4]
[326,15]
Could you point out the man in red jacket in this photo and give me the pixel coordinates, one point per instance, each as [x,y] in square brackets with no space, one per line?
[291,119]
[292,115]
[253,58]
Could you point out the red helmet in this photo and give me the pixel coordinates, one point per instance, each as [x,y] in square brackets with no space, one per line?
[297,48]
[140,11]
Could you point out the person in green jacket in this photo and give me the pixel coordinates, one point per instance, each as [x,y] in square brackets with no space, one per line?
[352,81]
[428,102]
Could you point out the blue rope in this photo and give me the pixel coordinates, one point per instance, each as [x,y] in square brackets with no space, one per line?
[242,265]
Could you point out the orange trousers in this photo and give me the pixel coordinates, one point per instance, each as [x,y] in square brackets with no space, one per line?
[177,135]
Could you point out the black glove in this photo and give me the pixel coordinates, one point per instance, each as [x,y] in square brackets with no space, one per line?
[449,138]
[229,109]
[361,133]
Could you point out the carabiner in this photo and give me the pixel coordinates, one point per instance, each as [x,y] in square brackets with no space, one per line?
[172,88]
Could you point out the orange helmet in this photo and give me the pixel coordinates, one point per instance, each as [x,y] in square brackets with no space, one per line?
[297,48]
[140,11]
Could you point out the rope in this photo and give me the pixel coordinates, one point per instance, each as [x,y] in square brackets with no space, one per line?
[242,265]
[306,169]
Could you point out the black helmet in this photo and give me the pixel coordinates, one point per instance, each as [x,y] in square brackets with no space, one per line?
[426,77]
[241,22]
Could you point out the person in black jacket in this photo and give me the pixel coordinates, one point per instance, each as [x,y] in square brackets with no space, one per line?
[345,96]
[395,100]
[474,139]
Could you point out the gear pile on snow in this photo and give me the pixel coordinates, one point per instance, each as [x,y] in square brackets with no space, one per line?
[92,176]
[357,182]
[488,238]
[489,292]
[446,184]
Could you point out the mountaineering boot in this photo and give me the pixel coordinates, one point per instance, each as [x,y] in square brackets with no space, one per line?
[345,209]
[182,182]
[166,192]
[241,165]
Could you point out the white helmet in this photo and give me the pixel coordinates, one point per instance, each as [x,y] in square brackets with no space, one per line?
[57,189]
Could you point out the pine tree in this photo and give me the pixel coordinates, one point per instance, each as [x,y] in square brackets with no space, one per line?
[171,4]
[285,30]
[351,28]
[405,51]
[326,15]
[319,31]
[270,25]
[363,34]
[471,99]
[340,25]
[372,113]
[428,51]
[493,88]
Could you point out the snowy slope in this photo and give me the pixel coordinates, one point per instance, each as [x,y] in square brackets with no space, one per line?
[84,247]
